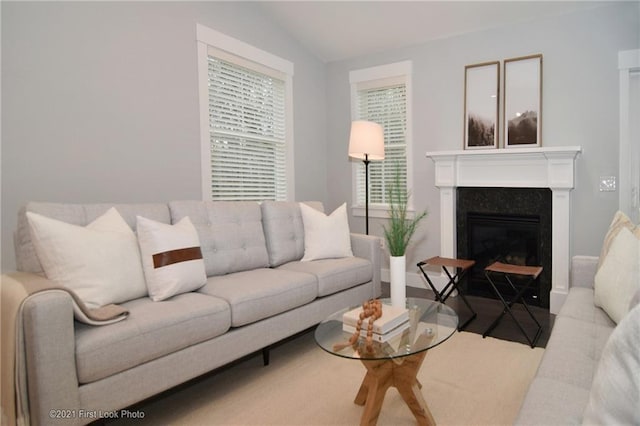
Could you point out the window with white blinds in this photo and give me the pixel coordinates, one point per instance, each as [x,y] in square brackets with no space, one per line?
[247,128]
[246,153]
[386,106]
[381,95]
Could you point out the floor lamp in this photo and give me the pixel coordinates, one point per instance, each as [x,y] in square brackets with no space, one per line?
[366,143]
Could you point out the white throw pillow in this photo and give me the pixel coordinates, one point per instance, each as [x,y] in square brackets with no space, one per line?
[325,237]
[618,277]
[100,262]
[620,221]
[171,257]
[615,391]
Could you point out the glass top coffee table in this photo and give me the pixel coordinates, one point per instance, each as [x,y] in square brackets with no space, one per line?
[394,362]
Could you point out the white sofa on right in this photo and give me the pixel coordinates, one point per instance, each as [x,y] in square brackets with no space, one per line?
[590,371]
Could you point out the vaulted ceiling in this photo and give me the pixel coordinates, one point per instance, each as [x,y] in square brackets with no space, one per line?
[335,30]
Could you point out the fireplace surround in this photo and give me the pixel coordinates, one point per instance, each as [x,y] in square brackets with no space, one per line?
[552,168]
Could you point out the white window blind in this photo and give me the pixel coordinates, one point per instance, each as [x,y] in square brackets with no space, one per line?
[247,133]
[385,104]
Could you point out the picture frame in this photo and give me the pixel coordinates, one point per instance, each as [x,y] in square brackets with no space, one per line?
[522,113]
[481,103]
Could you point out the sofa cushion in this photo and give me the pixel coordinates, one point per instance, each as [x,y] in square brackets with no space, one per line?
[76,214]
[152,330]
[573,351]
[579,305]
[283,230]
[325,236]
[100,263]
[171,257]
[231,235]
[552,402]
[261,293]
[335,275]
[615,392]
[635,300]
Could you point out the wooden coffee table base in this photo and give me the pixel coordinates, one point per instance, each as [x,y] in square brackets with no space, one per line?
[400,373]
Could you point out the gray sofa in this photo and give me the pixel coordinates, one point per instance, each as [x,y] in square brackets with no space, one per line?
[257,293]
[560,390]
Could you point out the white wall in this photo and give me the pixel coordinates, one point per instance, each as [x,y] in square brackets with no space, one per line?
[100,102]
[580,107]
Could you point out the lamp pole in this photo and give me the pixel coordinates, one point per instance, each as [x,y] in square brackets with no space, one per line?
[366,143]
[366,193]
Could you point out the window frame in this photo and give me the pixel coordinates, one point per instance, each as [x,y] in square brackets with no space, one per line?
[379,76]
[246,55]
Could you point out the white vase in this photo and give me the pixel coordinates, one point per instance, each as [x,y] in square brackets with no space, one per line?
[398,280]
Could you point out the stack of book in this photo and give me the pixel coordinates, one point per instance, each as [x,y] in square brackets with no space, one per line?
[392,323]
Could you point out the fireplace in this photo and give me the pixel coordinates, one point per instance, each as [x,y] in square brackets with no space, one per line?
[551,168]
[510,225]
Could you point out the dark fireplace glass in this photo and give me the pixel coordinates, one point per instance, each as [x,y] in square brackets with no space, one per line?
[502,238]
[511,225]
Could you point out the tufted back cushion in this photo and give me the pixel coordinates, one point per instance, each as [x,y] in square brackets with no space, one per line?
[76,214]
[230,232]
[284,230]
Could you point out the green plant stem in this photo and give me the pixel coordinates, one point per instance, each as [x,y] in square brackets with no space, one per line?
[401,228]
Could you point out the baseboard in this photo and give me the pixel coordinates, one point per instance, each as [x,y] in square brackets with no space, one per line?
[556,300]
[417,280]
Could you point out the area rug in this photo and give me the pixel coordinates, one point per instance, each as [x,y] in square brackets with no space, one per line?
[467,380]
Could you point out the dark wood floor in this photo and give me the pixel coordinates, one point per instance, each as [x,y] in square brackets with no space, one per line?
[487,310]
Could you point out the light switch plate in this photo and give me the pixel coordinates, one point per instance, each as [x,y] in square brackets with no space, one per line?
[607,183]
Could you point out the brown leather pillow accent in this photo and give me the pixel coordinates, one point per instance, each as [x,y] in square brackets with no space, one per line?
[176,256]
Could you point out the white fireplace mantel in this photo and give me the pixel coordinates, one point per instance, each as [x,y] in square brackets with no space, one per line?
[552,168]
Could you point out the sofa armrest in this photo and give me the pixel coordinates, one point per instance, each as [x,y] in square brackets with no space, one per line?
[49,355]
[368,247]
[583,271]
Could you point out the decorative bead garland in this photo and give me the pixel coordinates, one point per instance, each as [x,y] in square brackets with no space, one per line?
[371,309]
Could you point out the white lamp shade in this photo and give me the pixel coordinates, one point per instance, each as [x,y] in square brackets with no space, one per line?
[367,138]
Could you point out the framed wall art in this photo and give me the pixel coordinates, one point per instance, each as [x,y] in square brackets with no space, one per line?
[481,93]
[523,101]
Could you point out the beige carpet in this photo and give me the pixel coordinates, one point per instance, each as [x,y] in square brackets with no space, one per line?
[467,380]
